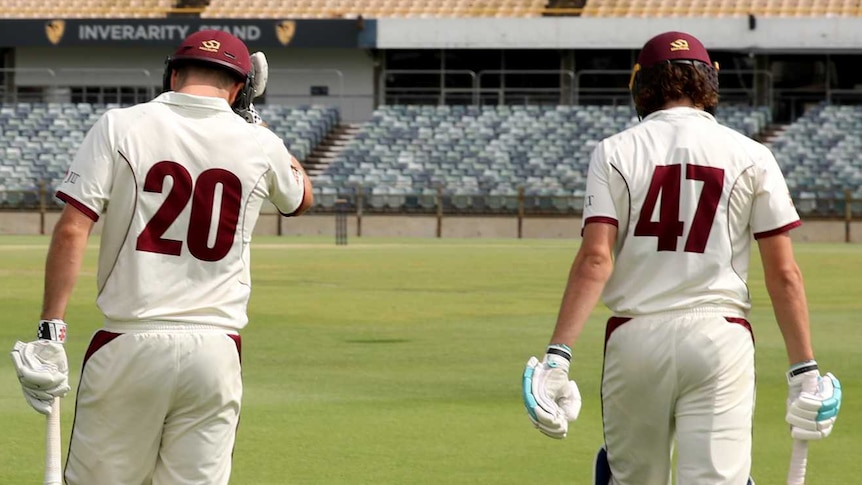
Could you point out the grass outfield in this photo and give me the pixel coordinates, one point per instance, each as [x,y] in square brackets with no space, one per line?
[399,361]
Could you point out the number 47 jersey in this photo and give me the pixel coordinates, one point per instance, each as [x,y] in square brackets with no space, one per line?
[687,195]
[179,183]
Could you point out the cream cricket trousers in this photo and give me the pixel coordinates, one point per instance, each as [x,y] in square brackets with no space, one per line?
[687,377]
[158,407]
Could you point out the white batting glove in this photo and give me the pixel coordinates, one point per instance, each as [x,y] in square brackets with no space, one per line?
[261,73]
[551,399]
[250,115]
[42,367]
[813,401]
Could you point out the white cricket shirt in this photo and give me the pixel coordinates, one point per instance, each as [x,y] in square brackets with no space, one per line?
[687,194]
[180,181]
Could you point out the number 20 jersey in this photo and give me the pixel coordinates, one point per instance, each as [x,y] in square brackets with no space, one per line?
[687,195]
[180,181]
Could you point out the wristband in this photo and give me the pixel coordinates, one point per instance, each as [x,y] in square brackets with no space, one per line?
[562,350]
[801,368]
[54,330]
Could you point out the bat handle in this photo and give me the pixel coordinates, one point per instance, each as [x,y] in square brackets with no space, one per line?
[798,463]
[53,470]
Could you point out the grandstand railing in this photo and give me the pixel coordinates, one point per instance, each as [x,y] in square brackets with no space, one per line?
[53,86]
[611,87]
[441,202]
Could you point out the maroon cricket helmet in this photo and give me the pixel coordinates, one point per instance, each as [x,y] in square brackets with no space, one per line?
[220,49]
[672,46]
[217,47]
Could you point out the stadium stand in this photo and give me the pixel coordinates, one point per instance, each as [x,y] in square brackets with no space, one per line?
[85,8]
[480,156]
[38,141]
[720,8]
[373,8]
[302,127]
[819,155]
[483,155]
[528,8]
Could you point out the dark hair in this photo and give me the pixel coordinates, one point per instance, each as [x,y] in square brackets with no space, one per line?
[221,78]
[671,81]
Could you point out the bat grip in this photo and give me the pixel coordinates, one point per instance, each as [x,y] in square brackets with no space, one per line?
[798,463]
[53,470]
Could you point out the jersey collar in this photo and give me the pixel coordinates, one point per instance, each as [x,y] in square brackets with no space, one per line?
[679,111]
[182,99]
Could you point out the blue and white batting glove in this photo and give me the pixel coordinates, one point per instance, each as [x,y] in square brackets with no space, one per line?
[551,399]
[813,401]
[42,366]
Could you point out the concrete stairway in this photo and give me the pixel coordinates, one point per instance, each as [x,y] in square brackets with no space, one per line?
[330,148]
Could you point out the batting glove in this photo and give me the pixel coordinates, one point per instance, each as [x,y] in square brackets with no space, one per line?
[250,115]
[261,73]
[813,401]
[551,399]
[42,367]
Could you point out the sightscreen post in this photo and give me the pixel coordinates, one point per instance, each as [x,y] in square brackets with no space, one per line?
[341,209]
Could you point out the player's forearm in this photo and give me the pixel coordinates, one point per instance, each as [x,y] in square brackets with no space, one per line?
[587,279]
[308,190]
[787,292]
[62,266]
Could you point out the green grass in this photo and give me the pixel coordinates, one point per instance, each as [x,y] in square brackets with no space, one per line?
[399,361]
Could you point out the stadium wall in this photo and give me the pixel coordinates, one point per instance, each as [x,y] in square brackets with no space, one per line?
[772,34]
[347,74]
[425,226]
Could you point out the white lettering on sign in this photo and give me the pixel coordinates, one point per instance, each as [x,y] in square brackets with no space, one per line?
[244,32]
[115,32]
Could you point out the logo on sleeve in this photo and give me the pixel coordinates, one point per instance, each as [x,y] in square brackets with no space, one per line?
[71,177]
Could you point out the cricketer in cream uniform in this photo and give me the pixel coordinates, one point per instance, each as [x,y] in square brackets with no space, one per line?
[684,284]
[173,259]
[212,203]
[671,207]
[179,182]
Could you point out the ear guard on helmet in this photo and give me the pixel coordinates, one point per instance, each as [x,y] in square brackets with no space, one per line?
[243,98]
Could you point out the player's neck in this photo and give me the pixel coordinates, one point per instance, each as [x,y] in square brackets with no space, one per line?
[205,90]
[683,102]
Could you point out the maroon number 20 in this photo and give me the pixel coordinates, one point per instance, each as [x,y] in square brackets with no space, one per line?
[202,195]
[665,189]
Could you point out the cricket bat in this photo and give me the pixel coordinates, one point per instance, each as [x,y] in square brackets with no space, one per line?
[53,469]
[798,463]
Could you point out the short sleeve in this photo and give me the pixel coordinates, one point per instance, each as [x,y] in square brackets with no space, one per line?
[773,211]
[286,186]
[598,199]
[87,184]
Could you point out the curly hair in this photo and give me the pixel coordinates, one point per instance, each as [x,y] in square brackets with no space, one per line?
[672,81]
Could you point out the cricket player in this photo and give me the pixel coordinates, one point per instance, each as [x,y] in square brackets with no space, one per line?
[672,205]
[179,182]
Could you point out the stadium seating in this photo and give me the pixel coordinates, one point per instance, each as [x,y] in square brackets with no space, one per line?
[85,8]
[373,8]
[819,155]
[301,127]
[487,152]
[720,8]
[38,141]
[526,8]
